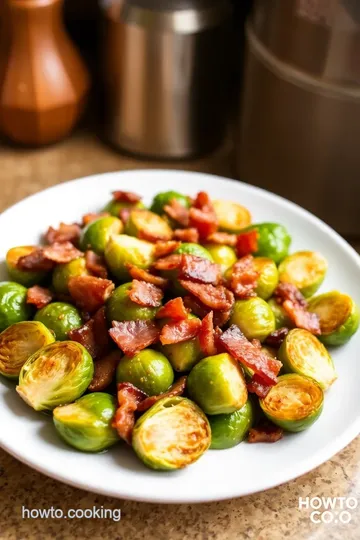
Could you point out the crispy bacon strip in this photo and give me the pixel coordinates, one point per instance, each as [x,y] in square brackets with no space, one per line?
[162,249]
[288,291]
[276,338]
[207,335]
[145,294]
[267,433]
[104,371]
[174,309]
[129,398]
[35,261]
[222,239]
[143,275]
[39,296]
[199,270]
[95,264]
[187,235]
[126,196]
[202,215]
[90,293]
[179,331]
[171,262]
[93,335]
[255,386]
[243,281]
[147,235]
[177,389]
[89,218]
[64,233]
[61,252]
[176,211]
[295,306]
[221,317]
[134,336]
[217,298]
[247,243]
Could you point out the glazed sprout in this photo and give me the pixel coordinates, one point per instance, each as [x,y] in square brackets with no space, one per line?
[304,269]
[86,424]
[294,403]
[114,207]
[59,317]
[18,342]
[172,434]
[303,353]
[148,223]
[97,233]
[281,318]
[273,240]
[339,317]
[217,385]
[228,430]
[254,317]
[122,249]
[183,355]
[63,272]
[119,307]
[165,198]
[24,277]
[232,216]
[57,374]
[149,370]
[268,277]
[13,306]
[225,256]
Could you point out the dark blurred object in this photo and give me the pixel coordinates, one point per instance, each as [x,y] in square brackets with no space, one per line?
[167,72]
[300,118]
[43,82]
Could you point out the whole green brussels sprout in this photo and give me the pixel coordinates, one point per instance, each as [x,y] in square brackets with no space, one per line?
[123,249]
[304,269]
[163,199]
[13,306]
[228,430]
[97,233]
[145,221]
[149,370]
[114,207]
[25,277]
[268,277]
[172,434]
[281,317]
[232,216]
[86,424]
[183,355]
[273,240]
[254,318]
[225,256]
[63,272]
[59,317]
[55,375]
[119,307]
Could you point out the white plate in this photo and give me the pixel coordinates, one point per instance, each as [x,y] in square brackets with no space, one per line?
[242,470]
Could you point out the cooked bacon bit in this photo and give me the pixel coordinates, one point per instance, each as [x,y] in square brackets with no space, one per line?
[174,309]
[61,252]
[35,261]
[213,297]
[177,389]
[276,338]
[104,371]
[90,293]
[202,215]
[267,433]
[124,214]
[129,398]
[39,296]
[222,239]
[95,264]
[195,306]
[126,196]
[221,317]
[145,294]
[243,281]
[199,269]
[187,235]
[203,201]
[143,275]
[288,291]
[256,343]
[255,386]
[295,306]
[93,335]
[89,218]
[162,249]
[217,335]
[207,336]
[247,243]
[134,336]
[242,350]
[65,233]
[178,331]
[147,235]
[176,211]
[171,262]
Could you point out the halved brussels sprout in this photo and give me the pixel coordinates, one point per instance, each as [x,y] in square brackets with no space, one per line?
[281,317]
[273,240]
[294,403]
[59,317]
[304,269]
[63,272]
[13,306]
[254,317]
[303,353]
[228,430]
[55,375]
[184,355]
[86,424]
[172,434]
[151,223]
[232,216]
[217,384]
[122,249]
[25,277]
[114,207]
[148,370]
[18,342]
[119,307]
[268,277]
[97,233]
[188,248]
[163,199]
[225,256]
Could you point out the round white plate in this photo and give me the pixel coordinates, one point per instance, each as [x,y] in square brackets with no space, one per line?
[242,470]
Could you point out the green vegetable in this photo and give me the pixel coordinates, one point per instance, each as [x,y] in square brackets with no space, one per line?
[55,375]
[294,403]
[254,318]
[268,277]
[273,240]
[59,317]
[25,277]
[122,249]
[304,269]
[97,233]
[163,199]
[18,342]
[225,256]
[339,317]
[303,353]
[13,306]
[184,355]
[86,424]
[119,307]
[232,216]
[148,370]
[281,317]
[217,385]
[63,272]
[188,248]
[228,430]
[172,434]
[114,207]
[141,221]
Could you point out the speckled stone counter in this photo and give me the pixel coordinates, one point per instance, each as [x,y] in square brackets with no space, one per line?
[272,515]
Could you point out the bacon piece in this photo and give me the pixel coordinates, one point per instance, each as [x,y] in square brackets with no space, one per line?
[174,309]
[147,235]
[162,249]
[35,261]
[134,336]
[187,235]
[129,397]
[217,298]
[126,196]
[61,252]
[39,296]
[276,338]
[95,264]
[171,262]
[202,215]
[104,371]
[243,281]
[222,239]
[242,350]
[145,294]
[65,233]
[143,275]
[93,335]
[267,433]
[288,291]
[256,343]
[124,214]
[255,386]
[89,218]
[89,292]
[199,269]
[207,336]
[178,331]
[295,306]
[176,211]
[177,389]
[247,243]
[195,306]
[222,317]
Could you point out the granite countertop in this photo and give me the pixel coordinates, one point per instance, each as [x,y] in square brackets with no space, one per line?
[272,515]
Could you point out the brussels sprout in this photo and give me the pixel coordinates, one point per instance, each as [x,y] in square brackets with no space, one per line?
[268,277]
[63,272]
[184,355]
[305,269]
[281,317]
[122,249]
[60,318]
[119,307]
[162,199]
[188,248]
[303,353]
[86,424]
[114,207]
[172,434]
[55,375]
[97,233]
[25,277]
[13,306]
[339,317]
[273,240]
[18,342]
[225,256]
[217,385]
[254,318]
[148,370]
[144,220]
[232,216]
[228,430]
[294,403]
